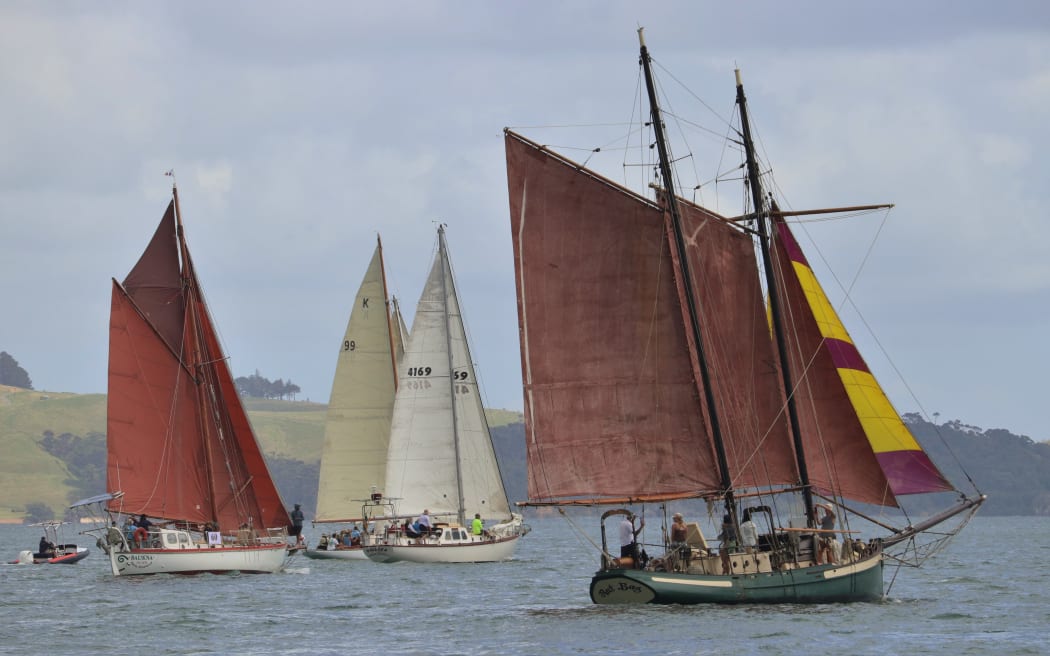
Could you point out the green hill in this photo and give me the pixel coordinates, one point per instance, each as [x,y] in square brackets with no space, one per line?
[289,430]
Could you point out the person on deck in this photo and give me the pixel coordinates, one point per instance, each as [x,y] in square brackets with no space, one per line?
[679,545]
[748,533]
[129,528]
[142,527]
[296,529]
[629,539]
[46,547]
[355,536]
[728,539]
[423,525]
[829,546]
[477,527]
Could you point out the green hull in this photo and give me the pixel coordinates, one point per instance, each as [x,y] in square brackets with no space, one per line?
[859,581]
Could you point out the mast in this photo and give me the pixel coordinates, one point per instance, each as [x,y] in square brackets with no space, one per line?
[687,280]
[196,350]
[761,216]
[451,372]
[386,308]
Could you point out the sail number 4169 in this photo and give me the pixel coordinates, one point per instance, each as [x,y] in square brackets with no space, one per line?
[426,371]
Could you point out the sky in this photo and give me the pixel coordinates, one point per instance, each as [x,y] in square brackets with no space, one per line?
[300,131]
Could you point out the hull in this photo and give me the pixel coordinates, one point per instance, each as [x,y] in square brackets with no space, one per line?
[465,552]
[218,560]
[858,581]
[29,558]
[353,553]
[72,557]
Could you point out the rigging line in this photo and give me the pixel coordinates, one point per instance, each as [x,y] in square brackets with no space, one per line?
[518,128]
[681,134]
[580,533]
[689,91]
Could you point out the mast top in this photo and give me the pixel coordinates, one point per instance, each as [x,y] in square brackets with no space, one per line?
[641,36]
[739,80]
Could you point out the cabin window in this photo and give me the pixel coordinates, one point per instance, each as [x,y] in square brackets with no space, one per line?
[184,539]
[171,539]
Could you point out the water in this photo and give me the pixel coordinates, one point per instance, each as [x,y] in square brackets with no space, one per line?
[987,594]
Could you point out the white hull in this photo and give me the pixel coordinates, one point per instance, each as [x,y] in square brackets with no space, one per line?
[353,553]
[265,559]
[481,551]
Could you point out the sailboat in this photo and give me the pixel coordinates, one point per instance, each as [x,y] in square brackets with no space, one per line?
[663,363]
[52,548]
[357,428]
[181,454]
[440,455]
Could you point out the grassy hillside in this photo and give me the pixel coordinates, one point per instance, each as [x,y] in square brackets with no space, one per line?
[28,474]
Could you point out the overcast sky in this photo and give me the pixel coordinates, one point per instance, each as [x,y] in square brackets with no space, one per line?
[298,131]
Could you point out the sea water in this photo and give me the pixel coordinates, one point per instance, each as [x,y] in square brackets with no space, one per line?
[988,593]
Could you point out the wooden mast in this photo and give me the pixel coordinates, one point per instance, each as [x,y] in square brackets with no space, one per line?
[761,216]
[196,350]
[687,279]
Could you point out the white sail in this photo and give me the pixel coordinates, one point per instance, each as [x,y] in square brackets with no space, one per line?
[441,456]
[357,427]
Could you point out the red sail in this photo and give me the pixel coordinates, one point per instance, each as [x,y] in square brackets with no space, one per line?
[156,285]
[738,350]
[154,456]
[179,442]
[612,399]
[611,407]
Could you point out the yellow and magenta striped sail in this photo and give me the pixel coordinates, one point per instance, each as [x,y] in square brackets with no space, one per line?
[837,388]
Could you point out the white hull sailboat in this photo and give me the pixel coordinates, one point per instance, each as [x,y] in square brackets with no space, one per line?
[181,453]
[445,549]
[441,456]
[357,427]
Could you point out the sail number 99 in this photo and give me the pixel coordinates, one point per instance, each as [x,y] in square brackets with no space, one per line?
[349,345]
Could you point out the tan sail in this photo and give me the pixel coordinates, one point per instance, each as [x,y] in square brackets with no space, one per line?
[357,428]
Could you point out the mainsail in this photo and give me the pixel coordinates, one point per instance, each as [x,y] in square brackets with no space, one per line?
[357,427]
[441,456]
[180,446]
[612,406]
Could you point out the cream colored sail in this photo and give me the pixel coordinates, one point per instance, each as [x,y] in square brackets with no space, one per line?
[400,331]
[357,428]
[441,456]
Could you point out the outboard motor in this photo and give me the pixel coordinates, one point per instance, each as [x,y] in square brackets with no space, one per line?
[25,557]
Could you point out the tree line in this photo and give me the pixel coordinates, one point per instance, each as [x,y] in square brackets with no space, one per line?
[12,374]
[260,387]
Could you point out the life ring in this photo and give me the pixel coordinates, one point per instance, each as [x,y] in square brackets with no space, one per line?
[141,534]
